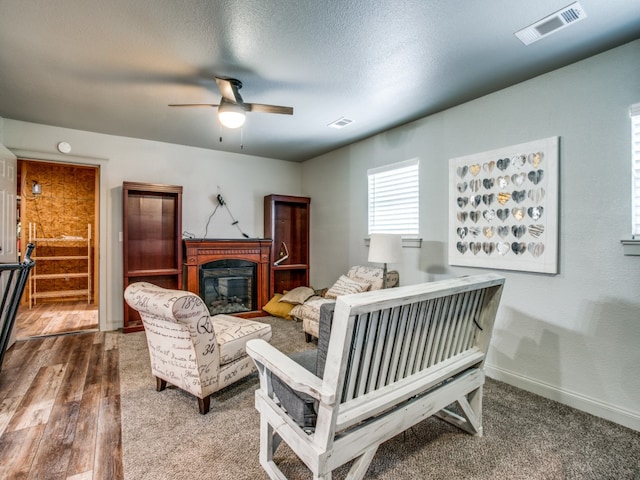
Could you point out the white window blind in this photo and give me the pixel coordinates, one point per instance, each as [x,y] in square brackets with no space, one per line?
[635,170]
[394,198]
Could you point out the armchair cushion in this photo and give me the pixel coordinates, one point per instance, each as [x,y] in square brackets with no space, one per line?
[233,333]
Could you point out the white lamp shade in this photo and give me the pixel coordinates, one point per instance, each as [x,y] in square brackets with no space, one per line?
[231,115]
[385,248]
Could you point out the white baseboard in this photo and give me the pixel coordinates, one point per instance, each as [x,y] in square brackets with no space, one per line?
[590,405]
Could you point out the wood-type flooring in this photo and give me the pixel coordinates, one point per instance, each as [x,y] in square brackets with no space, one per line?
[55,318]
[60,408]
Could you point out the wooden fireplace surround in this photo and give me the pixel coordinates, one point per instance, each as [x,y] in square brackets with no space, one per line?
[203,250]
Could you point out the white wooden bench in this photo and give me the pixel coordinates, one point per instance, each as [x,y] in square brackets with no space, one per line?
[394,358]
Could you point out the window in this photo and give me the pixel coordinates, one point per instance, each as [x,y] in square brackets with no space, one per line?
[635,170]
[394,198]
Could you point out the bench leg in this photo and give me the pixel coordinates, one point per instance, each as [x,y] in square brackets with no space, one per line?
[471,419]
[361,464]
[269,442]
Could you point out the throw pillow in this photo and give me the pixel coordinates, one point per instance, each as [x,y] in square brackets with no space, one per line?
[298,295]
[278,309]
[346,286]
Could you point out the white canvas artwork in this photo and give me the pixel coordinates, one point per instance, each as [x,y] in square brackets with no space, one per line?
[503,208]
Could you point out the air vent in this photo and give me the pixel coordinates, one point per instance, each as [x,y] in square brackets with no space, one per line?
[552,23]
[340,123]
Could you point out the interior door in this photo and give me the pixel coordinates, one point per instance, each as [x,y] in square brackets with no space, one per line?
[8,204]
[8,186]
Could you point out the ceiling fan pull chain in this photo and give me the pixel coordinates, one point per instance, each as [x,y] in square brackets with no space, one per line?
[241,138]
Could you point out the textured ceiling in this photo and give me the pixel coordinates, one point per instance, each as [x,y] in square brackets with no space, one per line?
[114,66]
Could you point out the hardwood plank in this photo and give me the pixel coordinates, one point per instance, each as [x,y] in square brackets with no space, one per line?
[110,373]
[82,450]
[54,451]
[83,453]
[94,365]
[39,400]
[8,408]
[17,450]
[108,457]
[108,453]
[73,383]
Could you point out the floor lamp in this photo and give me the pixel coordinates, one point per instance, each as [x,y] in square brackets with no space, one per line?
[385,248]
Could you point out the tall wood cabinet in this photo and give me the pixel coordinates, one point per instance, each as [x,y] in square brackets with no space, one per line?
[286,223]
[152,239]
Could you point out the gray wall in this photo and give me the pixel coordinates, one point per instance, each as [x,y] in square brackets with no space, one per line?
[573,336]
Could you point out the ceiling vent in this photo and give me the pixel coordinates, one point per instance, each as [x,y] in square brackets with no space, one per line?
[552,23]
[340,123]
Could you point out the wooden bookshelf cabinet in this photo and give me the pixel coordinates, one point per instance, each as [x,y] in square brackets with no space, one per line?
[286,223]
[152,239]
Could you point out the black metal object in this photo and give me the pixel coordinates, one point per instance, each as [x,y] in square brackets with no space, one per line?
[13,278]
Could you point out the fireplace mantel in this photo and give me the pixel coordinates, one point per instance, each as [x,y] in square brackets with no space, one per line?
[199,251]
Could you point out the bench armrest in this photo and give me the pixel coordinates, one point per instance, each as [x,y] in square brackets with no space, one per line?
[290,372]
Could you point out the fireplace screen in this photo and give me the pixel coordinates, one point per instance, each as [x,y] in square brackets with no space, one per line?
[228,286]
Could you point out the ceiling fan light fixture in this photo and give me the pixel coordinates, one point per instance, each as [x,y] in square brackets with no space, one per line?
[231,115]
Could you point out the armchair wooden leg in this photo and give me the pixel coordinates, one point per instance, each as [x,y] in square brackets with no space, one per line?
[203,404]
[160,384]
[307,337]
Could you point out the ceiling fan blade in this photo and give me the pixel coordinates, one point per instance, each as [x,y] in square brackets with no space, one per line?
[229,89]
[193,104]
[259,107]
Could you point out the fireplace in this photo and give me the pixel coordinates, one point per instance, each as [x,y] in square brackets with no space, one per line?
[228,286]
[231,276]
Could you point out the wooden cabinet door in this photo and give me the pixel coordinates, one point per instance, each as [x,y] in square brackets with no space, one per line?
[152,239]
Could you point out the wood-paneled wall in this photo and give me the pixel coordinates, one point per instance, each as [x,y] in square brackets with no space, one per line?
[65,207]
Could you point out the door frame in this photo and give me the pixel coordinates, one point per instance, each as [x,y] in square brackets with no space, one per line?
[101,212]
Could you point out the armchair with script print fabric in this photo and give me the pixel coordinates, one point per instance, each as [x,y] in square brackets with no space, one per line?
[188,348]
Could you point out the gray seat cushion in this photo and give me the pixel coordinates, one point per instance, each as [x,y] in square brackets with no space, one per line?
[301,407]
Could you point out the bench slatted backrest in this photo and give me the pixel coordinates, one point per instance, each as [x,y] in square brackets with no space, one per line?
[393,336]
[394,343]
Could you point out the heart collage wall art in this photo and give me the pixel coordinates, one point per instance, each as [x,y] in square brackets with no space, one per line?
[503,208]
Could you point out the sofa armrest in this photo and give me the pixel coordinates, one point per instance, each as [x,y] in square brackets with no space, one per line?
[288,371]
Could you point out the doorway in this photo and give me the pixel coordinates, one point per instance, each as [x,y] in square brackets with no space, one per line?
[58,213]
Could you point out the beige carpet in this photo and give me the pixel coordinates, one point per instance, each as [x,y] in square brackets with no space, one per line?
[526,436]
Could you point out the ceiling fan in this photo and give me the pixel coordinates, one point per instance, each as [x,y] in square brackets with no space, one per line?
[232,108]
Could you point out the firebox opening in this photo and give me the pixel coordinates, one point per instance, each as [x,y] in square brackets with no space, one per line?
[229,286]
